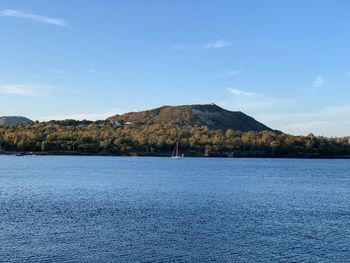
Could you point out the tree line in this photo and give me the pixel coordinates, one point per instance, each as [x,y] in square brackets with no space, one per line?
[103,137]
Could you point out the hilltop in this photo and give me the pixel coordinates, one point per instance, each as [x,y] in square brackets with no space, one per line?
[14,120]
[200,130]
[209,115]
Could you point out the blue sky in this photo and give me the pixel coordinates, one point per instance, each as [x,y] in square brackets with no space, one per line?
[286,63]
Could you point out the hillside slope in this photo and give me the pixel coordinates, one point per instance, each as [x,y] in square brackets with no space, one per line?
[209,115]
[13,120]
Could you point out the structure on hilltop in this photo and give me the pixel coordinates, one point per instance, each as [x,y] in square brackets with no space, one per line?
[209,115]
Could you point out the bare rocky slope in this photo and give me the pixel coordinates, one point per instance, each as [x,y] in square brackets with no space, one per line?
[209,115]
[13,120]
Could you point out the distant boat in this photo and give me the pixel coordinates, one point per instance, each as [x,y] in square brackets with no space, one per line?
[176,154]
[18,154]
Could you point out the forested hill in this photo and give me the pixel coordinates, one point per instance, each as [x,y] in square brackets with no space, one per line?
[14,120]
[210,115]
[200,130]
[108,138]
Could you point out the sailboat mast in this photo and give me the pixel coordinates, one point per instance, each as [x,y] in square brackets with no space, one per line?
[175,154]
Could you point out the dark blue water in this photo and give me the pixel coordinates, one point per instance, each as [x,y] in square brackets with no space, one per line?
[114,209]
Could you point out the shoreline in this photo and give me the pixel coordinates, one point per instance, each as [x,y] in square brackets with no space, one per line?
[224,155]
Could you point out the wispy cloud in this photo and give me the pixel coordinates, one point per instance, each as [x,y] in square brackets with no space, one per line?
[180,47]
[199,59]
[233,72]
[227,73]
[91,70]
[329,121]
[24,89]
[239,92]
[57,71]
[282,114]
[30,16]
[318,82]
[252,102]
[202,46]
[83,116]
[217,44]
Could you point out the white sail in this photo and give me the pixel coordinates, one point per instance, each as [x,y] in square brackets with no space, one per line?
[175,154]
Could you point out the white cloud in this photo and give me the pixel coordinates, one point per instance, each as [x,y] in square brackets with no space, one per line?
[277,113]
[239,92]
[24,89]
[212,45]
[179,47]
[227,73]
[318,81]
[199,59]
[57,71]
[251,102]
[217,44]
[39,18]
[83,116]
[91,70]
[329,121]
[233,72]
[329,128]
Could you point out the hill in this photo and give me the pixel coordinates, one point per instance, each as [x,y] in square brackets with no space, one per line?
[112,138]
[209,115]
[14,120]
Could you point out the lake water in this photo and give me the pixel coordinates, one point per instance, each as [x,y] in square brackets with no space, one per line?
[120,209]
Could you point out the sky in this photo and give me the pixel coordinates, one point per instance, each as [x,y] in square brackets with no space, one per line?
[285,63]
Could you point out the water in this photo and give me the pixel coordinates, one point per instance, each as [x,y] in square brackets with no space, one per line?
[115,209]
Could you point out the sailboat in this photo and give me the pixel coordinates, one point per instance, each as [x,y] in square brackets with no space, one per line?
[175,154]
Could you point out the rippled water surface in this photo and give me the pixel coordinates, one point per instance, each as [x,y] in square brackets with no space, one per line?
[115,209]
